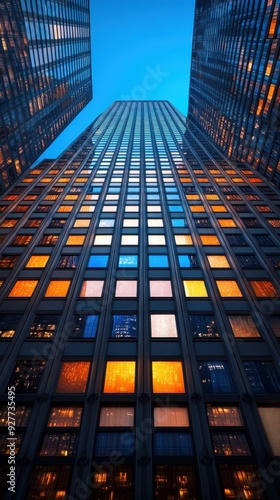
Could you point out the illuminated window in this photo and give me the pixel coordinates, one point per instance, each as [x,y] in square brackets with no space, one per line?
[126,288]
[230,443]
[71,197]
[68,262]
[228,288]
[57,288]
[120,377]
[270,417]
[8,261]
[23,288]
[103,239]
[218,261]
[195,288]
[264,289]
[60,444]
[203,326]
[50,481]
[124,326]
[183,239]
[9,223]
[176,481]
[38,261]
[243,326]
[209,239]
[226,223]
[92,288]
[155,223]
[197,208]
[48,240]
[171,417]
[163,326]
[87,208]
[119,481]
[43,326]
[160,289]
[22,415]
[117,416]
[224,416]
[82,223]
[156,239]
[73,377]
[27,375]
[168,377]
[237,481]
[65,208]
[130,223]
[129,239]
[75,240]
[215,377]
[22,239]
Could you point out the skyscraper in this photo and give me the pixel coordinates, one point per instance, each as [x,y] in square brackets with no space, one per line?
[140,317]
[45,78]
[235,76]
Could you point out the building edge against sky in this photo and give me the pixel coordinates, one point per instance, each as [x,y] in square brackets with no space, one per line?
[45,77]
[140,315]
[235,76]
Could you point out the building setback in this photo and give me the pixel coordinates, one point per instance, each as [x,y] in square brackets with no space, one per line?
[235,76]
[45,77]
[140,317]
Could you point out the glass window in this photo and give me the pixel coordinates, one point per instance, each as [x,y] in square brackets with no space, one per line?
[237,481]
[275,261]
[173,444]
[163,326]
[8,325]
[39,261]
[270,417]
[8,261]
[57,288]
[171,417]
[262,376]
[168,377]
[44,326]
[129,239]
[75,239]
[243,326]
[183,239]
[176,481]
[209,239]
[236,240]
[128,261]
[215,377]
[126,288]
[228,288]
[62,444]
[188,261]
[274,322]
[226,223]
[92,288]
[22,239]
[96,261]
[22,415]
[156,239]
[48,240]
[130,223]
[120,377]
[230,443]
[124,326]
[103,239]
[195,288]
[85,326]
[264,240]
[263,288]
[160,289]
[224,416]
[65,416]
[119,481]
[203,326]
[23,289]
[108,443]
[158,261]
[73,377]
[68,262]
[50,481]
[205,222]
[248,261]
[155,222]
[117,416]
[82,223]
[178,222]
[218,261]
[27,376]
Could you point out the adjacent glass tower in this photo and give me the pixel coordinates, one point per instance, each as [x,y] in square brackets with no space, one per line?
[235,75]
[140,317]
[45,77]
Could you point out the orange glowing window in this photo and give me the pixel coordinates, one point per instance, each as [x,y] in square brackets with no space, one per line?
[191,197]
[168,377]
[38,261]
[229,288]
[218,208]
[195,288]
[82,179]
[259,108]
[197,208]
[23,288]
[183,239]
[9,223]
[218,261]
[65,208]
[46,179]
[237,179]
[51,197]
[264,288]
[92,288]
[82,223]
[220,179]
[209,239]
[183,179]
[76,239]
[120,377]
[28,179]
[57,288]
[272,26]
[202,179]
[212,197]
[64,179]
[182,171]
[87,208]
[71,197]
[226,223]
[268,69]
[73,377]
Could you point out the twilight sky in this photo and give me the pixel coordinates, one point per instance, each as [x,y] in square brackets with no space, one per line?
[140,50]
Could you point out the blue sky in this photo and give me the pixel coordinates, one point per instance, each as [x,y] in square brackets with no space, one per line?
[140,50]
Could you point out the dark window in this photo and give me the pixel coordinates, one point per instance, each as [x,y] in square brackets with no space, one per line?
[203,326]
[22,208]
[236,240]
[22,239]
[173,444]
[275,260]
[176,481]
[33,223]
[8,261]
[262,376]
[43,208]
[251,222]
[230,443]
[57,223]
[8,325]
[22,415]
[27,376]
[59,444]
[248,261]
[43,326]
[85,326]
[233,197]
[203,222]
[215,377]
[240,208]
[188,261]
[124,326]
[120,442]
[68,262]
[48,239]
[264,240]
[49,481]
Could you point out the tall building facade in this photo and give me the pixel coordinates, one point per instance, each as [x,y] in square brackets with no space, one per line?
[140,318]
[235,75]
[45,77]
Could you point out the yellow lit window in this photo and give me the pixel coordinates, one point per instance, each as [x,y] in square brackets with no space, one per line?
[264,288]
[156,239]
[75,239]
[71,197]
[87,208]
[120,377]
[197,208]
[129,239]
[64,179]
[103,239]
[218,208]
[73,377]
[191,197]
[195,288]
[57,288]
[51,197]
[82,223]
[46,180]
[68,416]
[218,261]
[130,223]
[202,179]
[229,288]
[268,69]
[65,208]
[92,288]
[185,179]
[81,179]
[220,180]
[168,377]
[209,239]
[226,223]
[28,179]
[38,261]
[23,288]
[212,197]
[155,223]
[237,179]
[183,239]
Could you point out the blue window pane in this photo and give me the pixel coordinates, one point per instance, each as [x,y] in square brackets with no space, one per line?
[171,190]
[85,326]
[98,261]
[215,377]
[178,222]
[124,326]
[203,326]
[110,442]
[128,261]
[188,261]
[96,190]
[175,208]
[262,376]
[158,261]
[173,197]
[173,444]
